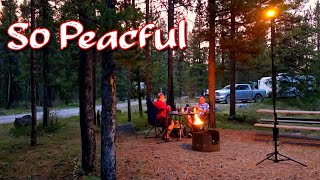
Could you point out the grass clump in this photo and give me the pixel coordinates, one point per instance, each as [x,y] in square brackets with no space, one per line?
[139,123]
[26,131]
[223,121]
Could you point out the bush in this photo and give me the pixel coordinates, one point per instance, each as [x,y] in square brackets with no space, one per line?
[303,103]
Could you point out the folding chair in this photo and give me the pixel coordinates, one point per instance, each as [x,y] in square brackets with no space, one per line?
[152,120]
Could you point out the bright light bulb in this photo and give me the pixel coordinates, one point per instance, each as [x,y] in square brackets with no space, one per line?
[271,13]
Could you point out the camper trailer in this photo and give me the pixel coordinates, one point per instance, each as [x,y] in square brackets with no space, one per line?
[266,84]
[287,86]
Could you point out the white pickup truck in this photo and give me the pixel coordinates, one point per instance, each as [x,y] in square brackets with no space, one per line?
[244,92]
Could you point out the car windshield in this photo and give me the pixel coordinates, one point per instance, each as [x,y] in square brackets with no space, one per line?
[227,87]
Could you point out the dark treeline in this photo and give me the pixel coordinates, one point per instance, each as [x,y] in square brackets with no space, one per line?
[57,71]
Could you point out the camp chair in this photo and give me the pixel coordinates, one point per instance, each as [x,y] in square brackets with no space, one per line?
[152,112]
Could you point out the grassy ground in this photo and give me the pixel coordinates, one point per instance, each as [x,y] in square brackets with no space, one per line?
[4,112]
[58,153]
[57,149]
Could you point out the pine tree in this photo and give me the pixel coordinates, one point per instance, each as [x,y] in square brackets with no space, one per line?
[33,83]
[108,122]
[170,94]
[45,64]
[239,38]
[317,19]
[211,61]
[86,95]
[8,58]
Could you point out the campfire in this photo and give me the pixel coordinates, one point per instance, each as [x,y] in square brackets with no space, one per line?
[198,125]
[204,140]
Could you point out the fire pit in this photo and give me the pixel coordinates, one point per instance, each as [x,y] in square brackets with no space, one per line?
[204,140]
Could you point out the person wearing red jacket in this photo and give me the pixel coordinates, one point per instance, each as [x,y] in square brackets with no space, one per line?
[163,114]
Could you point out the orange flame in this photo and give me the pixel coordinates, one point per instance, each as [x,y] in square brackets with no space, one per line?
[197,120]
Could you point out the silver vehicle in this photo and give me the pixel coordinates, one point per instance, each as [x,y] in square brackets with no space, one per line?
[244,92]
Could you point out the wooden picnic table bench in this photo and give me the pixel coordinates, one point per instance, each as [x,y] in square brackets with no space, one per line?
[289,122]
[270,111]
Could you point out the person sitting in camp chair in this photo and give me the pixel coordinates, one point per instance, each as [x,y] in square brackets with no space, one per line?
[201,108]
[164,115]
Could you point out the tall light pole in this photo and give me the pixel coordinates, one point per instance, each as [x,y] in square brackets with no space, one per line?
[272,14]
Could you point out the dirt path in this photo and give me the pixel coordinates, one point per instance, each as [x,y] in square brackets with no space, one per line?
[139,158]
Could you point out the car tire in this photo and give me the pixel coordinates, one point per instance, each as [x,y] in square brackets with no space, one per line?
[227,101]
[258,98]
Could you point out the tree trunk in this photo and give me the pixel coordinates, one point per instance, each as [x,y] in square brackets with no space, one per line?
[212,63]
[179,73]
[139,94]
[129,93]
[170,95]
[108,121]
[233,65]
[88,141]
[223,59]
[147,53]
[33,83]
[45,68]
[8,104]
[94,88]
[318,28]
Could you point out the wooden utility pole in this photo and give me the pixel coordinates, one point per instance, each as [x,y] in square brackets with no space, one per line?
[170,95]
[33,84]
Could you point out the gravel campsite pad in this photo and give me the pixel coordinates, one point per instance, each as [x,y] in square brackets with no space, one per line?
[139,158]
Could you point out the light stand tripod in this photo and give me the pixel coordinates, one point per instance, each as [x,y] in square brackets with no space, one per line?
[275,129]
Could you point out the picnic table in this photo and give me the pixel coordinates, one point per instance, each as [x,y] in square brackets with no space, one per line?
[179,115]
[286,122]
[270,111]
